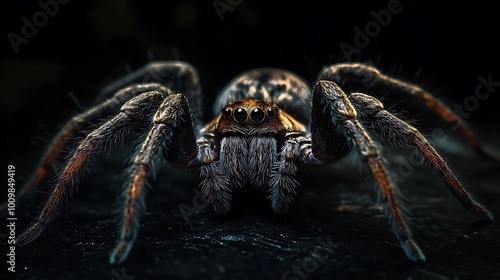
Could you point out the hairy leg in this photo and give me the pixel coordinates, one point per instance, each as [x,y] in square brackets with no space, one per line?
[371,77]
[75,125]
[172,116]
[215,186]
[405,135]
[329,98]
[282,184]
[98,140]
[155,76]
[177,76]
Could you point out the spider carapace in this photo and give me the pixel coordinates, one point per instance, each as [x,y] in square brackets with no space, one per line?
[268,123]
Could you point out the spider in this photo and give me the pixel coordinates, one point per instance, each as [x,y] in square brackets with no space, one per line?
[257,140]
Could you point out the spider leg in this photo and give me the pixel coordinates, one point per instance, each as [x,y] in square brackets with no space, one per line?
[175,75]
[172,128]
[215,186]
[370,77]
[98,140]
[75,125]
[178,76]
[405,135]
[282,183]
[328,97]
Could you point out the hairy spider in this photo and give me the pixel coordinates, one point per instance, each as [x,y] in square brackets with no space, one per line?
[257,140]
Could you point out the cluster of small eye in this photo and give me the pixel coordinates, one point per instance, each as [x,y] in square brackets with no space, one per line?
[240,115]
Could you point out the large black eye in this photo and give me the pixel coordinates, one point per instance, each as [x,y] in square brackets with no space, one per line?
[226,112]
[257,115]
[271,112]
[240,115]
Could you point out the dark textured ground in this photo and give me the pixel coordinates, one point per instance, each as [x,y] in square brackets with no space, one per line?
[53,77]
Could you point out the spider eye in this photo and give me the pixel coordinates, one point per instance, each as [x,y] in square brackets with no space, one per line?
[271,112]
[226,112]
[257,115]
[240,115]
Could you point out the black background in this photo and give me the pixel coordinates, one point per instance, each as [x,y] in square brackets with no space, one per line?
[87,44]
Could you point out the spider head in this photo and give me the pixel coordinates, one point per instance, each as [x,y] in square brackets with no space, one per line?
[250,117]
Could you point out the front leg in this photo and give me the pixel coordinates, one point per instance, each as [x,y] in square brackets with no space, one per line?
[333,110]
[178,76]
[97,141]
[372,80]
[282,185]
[76,125]
[168,136]
[400,133]
[215,186]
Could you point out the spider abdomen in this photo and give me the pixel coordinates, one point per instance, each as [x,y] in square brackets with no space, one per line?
[284,88]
